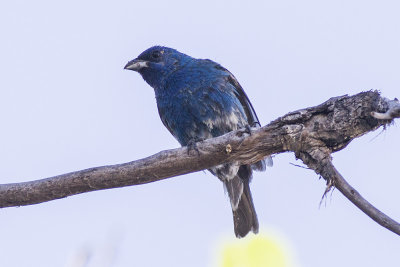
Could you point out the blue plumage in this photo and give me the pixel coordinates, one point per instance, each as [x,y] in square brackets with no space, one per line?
[198,99]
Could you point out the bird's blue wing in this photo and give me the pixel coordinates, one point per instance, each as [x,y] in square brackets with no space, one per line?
[242,97]
[249,110]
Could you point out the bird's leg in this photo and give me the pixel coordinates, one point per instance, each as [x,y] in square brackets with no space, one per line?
[192,145]
[246,130]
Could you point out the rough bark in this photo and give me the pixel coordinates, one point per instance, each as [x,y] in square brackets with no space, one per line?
[311,133]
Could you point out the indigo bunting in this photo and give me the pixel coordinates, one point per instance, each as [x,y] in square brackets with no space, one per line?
[199,99]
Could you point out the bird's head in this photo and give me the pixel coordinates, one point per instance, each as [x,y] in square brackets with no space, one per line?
[156,63]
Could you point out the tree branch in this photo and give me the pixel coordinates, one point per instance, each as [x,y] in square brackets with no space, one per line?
[348,191]
[312,134]
[321,162]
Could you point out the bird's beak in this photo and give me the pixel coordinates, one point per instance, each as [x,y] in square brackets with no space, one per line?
[136,65]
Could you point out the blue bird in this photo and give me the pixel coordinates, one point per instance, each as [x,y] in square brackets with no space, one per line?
[199,99]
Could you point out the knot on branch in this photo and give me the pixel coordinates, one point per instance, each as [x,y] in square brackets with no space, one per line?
[314,133]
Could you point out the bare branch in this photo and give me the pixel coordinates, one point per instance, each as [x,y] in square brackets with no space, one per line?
[355,197]
[321,162]
[312,134]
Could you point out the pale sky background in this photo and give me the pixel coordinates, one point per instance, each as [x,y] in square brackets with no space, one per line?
[67,104]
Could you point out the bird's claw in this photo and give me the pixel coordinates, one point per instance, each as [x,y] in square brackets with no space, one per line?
[246,130]
[192,145]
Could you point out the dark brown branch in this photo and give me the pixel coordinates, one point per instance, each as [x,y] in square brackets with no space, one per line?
[328,127]
[348,191]
[321,162]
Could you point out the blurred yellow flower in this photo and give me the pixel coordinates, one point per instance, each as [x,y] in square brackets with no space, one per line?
[255,251]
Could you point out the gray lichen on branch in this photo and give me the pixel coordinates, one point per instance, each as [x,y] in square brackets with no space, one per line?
[312,134]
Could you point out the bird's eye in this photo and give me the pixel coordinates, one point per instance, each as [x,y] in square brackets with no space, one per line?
[156,54]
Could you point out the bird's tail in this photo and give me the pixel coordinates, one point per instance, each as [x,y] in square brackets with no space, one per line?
[244,213]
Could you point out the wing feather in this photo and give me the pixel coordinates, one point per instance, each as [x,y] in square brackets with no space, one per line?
[243,98]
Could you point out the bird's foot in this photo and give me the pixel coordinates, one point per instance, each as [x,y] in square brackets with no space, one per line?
[192,146]
[246,130]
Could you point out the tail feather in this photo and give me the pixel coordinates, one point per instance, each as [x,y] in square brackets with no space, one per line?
[245,216]
[236,179]
[234,187]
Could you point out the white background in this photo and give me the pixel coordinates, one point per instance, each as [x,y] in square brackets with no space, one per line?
[67,104]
